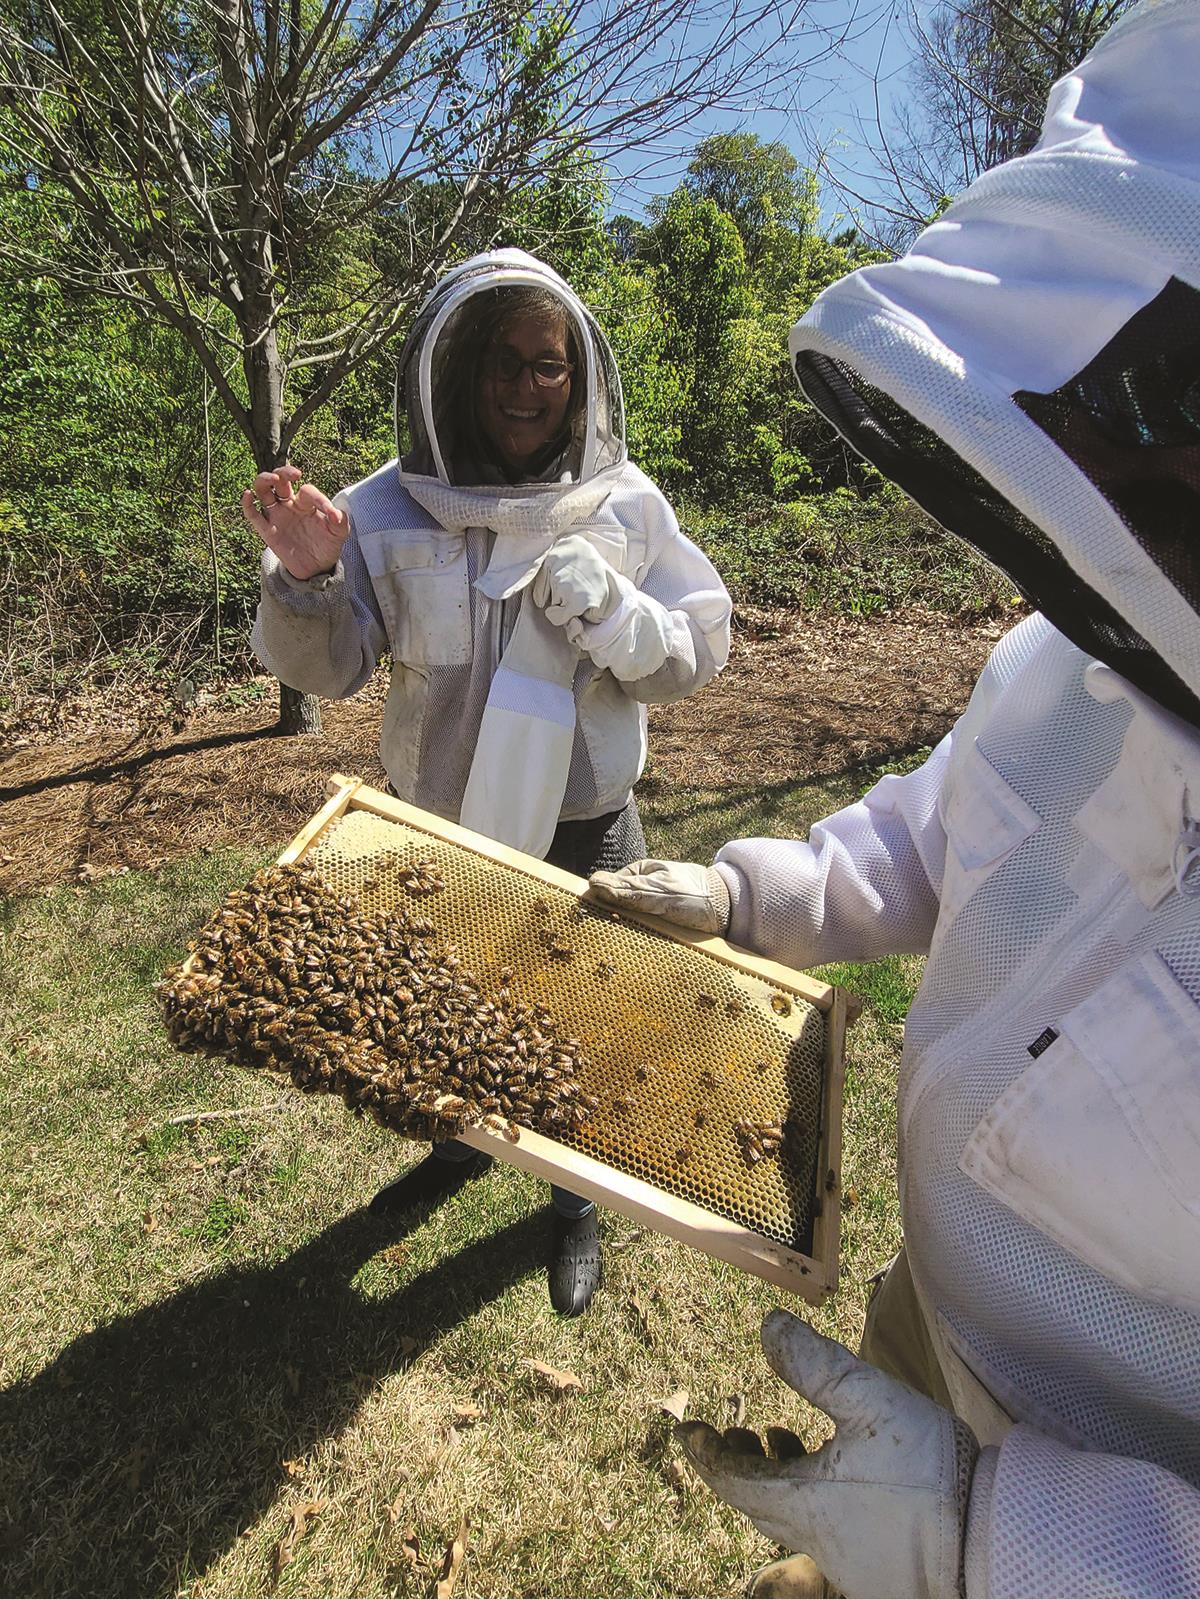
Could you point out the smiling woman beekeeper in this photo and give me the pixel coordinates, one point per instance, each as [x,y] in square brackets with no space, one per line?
[534,592]
[1030,372]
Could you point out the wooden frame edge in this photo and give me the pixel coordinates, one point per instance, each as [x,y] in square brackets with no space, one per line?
[340,789]
[827,1228]
[654,1208]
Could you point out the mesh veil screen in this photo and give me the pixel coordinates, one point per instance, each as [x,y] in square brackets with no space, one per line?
[680,1047]
[1130,420]
[966,504]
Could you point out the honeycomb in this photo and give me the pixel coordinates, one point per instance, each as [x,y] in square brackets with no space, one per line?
[681,1049]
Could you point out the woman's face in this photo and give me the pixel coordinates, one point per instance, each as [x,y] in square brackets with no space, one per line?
[519,415]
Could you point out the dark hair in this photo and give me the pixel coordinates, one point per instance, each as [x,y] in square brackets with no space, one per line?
[458,368]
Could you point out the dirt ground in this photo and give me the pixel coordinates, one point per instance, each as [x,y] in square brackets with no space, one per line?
[134,787]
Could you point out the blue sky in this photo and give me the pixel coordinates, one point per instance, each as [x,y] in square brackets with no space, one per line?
[833,106]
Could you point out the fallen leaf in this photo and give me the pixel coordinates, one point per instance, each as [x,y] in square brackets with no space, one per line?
[676,1476]
[738,1401]
[676,1405]
[452,1563]
[410,1549]
[467,1415]
[409,1346]
[149,1222]
[642,1315]
[285,1550]
[561,1381]
[88,873]
[294,1468]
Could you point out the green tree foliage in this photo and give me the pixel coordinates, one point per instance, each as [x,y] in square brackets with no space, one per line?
[700,271]
[737,256]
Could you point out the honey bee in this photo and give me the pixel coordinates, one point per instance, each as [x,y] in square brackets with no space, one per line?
[781,1005]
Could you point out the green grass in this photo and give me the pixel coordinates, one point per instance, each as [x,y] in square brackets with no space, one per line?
[204,1328]
[844,554]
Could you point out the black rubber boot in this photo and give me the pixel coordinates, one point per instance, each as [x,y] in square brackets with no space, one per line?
[429,1181]
[575,1270]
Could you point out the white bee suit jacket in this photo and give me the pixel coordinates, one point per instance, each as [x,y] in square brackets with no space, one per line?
[494,717]
[1049,1110]
[1030,372]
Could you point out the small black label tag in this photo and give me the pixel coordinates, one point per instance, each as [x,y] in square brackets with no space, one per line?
[1042,1042]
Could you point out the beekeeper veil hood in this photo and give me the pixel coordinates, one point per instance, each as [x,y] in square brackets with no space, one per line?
[440,371]
[526,736]
[1030,370]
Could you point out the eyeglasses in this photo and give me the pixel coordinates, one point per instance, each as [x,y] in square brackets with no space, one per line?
[548,373]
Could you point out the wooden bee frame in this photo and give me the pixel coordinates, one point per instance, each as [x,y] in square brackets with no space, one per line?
[812,1276]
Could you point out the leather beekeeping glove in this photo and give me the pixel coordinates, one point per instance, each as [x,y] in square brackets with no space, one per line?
[602,613]
[881,1507]
[678,891]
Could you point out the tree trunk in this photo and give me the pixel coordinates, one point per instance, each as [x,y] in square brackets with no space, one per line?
[298,713]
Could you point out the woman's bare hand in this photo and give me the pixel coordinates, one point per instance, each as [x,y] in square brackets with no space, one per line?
[297,521]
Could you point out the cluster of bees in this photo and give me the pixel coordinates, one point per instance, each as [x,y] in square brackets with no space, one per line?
[760,1140]
[415,877]
[376,1007]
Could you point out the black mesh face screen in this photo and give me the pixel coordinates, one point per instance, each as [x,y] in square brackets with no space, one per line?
[1131,423]
[966,504]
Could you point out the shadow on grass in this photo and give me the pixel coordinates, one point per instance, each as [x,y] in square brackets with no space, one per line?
[703,818]
[108,770]
[137,1457]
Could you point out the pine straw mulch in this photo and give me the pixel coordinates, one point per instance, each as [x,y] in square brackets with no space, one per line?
[802,697]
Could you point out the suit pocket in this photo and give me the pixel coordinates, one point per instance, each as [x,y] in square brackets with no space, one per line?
[985,821]
[1097,1143]
[421,585]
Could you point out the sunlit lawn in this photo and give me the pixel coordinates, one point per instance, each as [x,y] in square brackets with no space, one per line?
[208,1342]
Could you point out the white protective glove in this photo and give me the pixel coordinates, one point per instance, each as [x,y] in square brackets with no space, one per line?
[601,611]
[678,891]
[882,1506]
[574,580]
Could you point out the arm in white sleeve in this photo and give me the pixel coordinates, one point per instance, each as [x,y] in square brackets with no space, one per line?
[1045,1519]
[668,633]
[323,636]
[865,884]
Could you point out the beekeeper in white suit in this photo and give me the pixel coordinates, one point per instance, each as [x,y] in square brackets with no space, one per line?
[1030,372]
[534,592]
